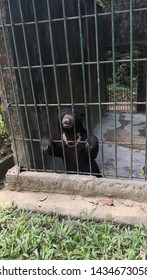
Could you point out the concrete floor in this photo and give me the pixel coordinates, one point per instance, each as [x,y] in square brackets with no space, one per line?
[120,158]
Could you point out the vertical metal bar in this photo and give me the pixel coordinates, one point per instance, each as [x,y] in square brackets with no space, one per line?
[13,89]
[9,115]
[21,83]
[114,80]
[131,82]
[42,75]
[56,81]
[29,68]
[69,76]
[98,82]
[84,78]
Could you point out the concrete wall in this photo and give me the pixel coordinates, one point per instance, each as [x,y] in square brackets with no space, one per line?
[122,25]
[9,93]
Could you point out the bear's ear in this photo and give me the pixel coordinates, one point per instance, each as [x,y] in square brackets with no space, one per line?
[64,111]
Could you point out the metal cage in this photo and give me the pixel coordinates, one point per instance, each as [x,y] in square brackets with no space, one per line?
[83,54]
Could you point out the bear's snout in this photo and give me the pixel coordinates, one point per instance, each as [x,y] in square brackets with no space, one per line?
[67,121]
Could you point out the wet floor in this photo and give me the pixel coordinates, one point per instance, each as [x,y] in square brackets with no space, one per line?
[122,144]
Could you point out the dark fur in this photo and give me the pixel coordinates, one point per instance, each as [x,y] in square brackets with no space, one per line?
[84,146]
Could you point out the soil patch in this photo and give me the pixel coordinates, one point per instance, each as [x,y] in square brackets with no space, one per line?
[5,147]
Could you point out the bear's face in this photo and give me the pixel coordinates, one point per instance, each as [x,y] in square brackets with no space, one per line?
[68,118]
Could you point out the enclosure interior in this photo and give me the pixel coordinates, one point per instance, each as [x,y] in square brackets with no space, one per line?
[81,54]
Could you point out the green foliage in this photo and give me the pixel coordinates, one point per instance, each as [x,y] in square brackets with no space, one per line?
[88,215]
[99,2]
[3,130]
[0,109]
[29,235]
[123,73]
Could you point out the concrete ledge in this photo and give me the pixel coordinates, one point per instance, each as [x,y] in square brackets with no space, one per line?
[75,185]
[6,163]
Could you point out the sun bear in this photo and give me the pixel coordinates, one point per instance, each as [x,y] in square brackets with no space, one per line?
[76,149]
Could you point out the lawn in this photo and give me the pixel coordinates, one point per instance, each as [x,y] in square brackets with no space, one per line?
[30,235]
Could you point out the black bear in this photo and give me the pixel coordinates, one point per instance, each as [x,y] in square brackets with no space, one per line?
[77,151]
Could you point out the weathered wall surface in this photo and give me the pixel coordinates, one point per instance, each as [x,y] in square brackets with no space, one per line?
[122,26]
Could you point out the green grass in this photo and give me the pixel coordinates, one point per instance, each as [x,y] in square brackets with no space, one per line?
[29,235]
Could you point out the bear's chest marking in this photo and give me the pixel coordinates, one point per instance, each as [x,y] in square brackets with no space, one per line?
[70,143]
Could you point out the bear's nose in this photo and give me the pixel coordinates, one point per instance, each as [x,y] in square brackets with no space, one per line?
[67,120]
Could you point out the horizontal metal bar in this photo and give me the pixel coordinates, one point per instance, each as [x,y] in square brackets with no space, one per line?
[58,171]
[48,20]
[122,11]
[62,172]
[75,64]
[103,142]
[123,60]
[74,17]
[80,104]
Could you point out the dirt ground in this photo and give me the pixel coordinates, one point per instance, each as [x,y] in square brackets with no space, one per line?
[103,208]
[5,147]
